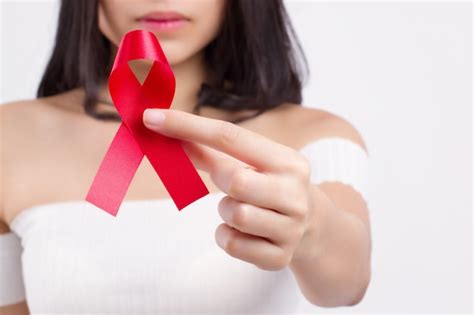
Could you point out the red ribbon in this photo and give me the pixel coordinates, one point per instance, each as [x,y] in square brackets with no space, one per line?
[133,140]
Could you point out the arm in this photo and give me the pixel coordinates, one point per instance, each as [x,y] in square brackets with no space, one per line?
[274,215]
[336,271]
[332,264]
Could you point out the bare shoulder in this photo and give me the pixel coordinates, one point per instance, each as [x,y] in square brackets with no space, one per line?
[25,122]
[17,120]
[313,124]
[29,128]
[37,110]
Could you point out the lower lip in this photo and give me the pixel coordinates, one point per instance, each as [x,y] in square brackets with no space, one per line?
[163,25]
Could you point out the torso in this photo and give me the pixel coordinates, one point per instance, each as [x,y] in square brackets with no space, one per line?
[52,149]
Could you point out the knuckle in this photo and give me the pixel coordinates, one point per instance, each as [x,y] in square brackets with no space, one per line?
[299,232]
[304,168]
[282,260]
[228,133]
[240,215]
[238,182]
[224,202]
[278,262]
[300,166]
[231,244]
[300,211]
[222,206]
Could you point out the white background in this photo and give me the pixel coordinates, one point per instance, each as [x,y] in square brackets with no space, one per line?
[401,72]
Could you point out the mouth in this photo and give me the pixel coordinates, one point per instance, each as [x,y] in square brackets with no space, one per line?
[163,21]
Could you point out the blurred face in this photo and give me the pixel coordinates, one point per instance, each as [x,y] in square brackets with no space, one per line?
[183,27]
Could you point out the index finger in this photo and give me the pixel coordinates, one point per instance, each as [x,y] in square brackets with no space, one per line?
[243,144]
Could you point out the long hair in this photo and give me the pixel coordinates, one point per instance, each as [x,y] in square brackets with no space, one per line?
[256,59]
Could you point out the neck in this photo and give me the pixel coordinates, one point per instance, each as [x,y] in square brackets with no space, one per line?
[189,75]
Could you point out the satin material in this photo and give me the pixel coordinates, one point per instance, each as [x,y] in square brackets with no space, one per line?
[133,140]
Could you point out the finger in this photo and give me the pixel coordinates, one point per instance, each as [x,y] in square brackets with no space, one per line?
[243,182]
[252,249]
[265,190]
[202,158]
[206,158]
[271,225]
[243,144]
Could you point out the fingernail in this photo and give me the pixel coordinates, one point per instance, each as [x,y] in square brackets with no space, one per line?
[153,117]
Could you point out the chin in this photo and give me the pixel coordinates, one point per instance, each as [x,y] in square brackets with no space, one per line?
[175,55]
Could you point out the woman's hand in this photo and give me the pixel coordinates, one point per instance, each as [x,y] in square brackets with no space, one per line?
[267,207]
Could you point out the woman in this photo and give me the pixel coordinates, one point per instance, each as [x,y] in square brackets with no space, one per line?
[286,216]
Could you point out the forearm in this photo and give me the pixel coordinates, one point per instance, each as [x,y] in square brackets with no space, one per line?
[332,263]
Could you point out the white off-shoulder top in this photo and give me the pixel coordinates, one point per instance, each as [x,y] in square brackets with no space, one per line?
[73,258]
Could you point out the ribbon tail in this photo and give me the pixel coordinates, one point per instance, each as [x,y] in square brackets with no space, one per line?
[175,169]
[116,171]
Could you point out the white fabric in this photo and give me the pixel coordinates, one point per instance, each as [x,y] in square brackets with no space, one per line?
[341,160]
[152,258]
[11,280]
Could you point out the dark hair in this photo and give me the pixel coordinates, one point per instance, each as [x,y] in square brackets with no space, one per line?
[256,59]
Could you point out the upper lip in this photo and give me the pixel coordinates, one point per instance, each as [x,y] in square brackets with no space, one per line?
[163,15]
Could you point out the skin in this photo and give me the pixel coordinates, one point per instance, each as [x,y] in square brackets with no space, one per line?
[321,232]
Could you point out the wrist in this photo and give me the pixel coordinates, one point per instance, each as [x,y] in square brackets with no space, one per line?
[313,244]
